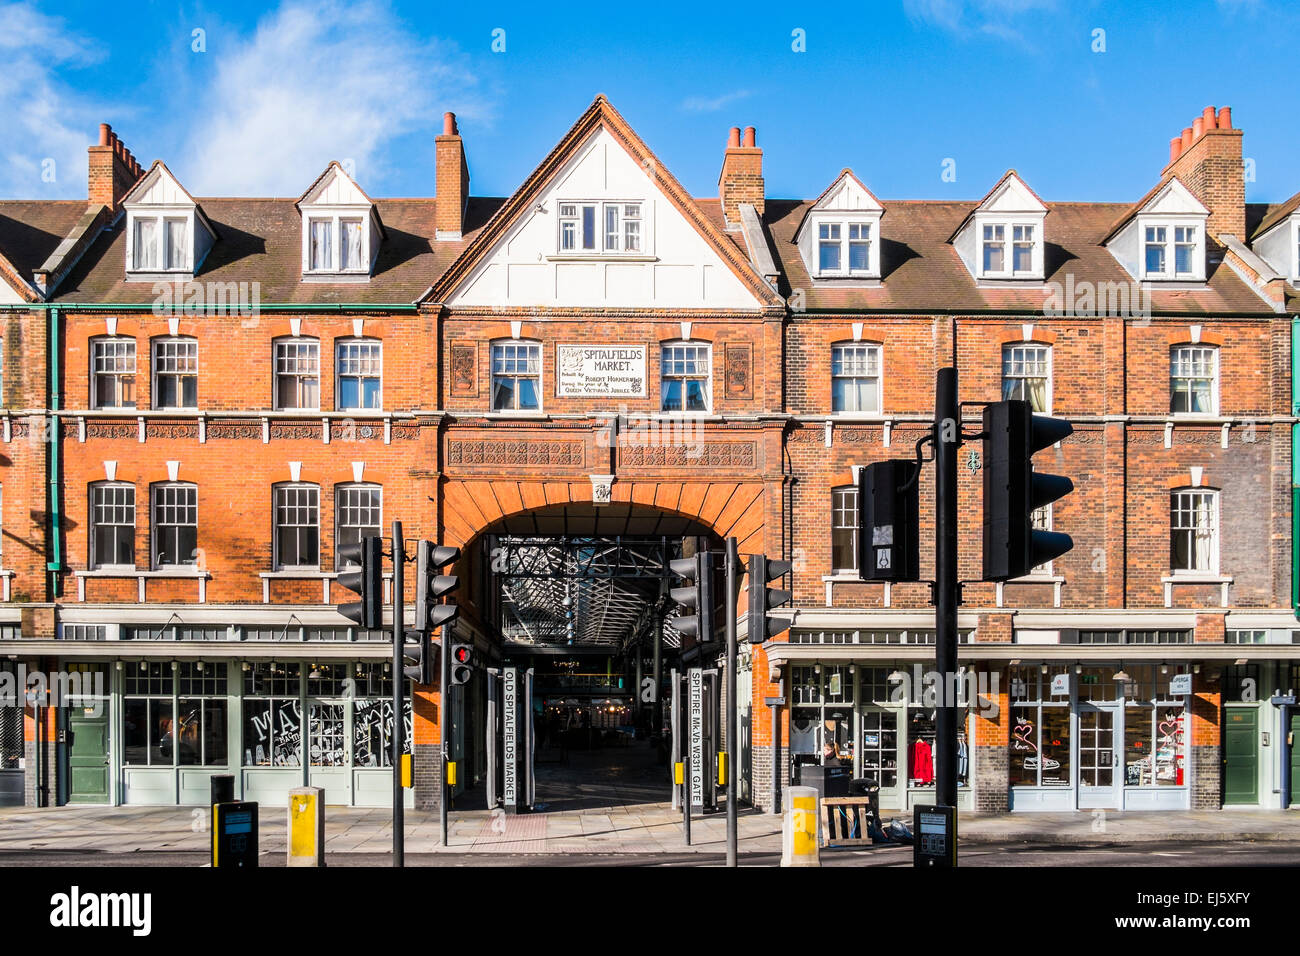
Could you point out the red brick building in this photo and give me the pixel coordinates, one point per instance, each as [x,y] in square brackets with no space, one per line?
[204,397]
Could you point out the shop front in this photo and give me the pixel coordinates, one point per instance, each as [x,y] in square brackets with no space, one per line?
[1099,737]
[879,721]
[170,725]
[12,748]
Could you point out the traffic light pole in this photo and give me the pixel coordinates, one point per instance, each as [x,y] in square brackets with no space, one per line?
[399,680]
[733,587]
[947,440]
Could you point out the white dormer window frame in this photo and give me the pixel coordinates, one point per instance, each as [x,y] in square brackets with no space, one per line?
[337,253]
[602,228]
[1171,248]
[855,242]
[160,240]
[1017,242]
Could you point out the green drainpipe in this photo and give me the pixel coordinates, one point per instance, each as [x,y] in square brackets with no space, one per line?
[54,500]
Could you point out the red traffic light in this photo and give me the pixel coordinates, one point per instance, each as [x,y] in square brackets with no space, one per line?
[461,654]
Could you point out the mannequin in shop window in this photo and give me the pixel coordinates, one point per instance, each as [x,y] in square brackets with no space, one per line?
[831,755]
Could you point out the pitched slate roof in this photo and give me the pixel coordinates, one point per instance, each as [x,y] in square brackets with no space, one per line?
[1269,215]
[31,229]
[921,271]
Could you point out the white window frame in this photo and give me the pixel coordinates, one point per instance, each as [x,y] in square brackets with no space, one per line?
[1009,243]
[335,220]
[664,376]
[879,376]
[601,234]
[839,511]
[340,509]
[155,490]
[276,526]
[340,373]
[1027,344]
[1175,508]
[156,373]
[96,524]
[95,371]
[845,225]
[1215,377]
[276,373]
[534,346]
[160,218]
[1040,519]
[1170,224]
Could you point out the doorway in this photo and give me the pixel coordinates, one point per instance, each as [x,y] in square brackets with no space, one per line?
[1241,756]
[89,771]
[1098,759]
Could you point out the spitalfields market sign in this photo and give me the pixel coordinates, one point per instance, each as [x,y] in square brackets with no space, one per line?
[58,689]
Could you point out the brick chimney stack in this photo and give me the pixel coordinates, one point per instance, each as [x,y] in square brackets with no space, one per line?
[1206,158]
[113,170]
[452,181]
[741,180]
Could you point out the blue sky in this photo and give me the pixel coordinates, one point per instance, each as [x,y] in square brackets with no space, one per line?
[890,88]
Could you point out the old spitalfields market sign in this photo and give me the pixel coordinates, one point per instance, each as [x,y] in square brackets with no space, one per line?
[587,370]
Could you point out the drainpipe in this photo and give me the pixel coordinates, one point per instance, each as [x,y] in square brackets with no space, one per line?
[54,496]
[1295,469]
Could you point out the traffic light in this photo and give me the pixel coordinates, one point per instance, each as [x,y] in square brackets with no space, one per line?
[420,658]
[1013,491]
[462,663]
[889,524]
[763,570]
[363,574]
[697,596]
[430,585]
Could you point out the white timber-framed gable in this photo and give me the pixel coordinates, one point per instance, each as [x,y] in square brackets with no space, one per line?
[341,229]
[167,234]
[1001,240]
[675,264]
[1164,239]
[1280,247]
[839,237]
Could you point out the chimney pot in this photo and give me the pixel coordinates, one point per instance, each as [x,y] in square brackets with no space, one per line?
[1198,128]
[449,124]
[733,138]
[1175,148]
[749,137]
[1187,137]
[1207,117]
[105,131]
[1225,117]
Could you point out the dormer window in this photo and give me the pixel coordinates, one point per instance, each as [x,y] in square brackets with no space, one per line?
[1166,245]
[167,233]
[596,228]
[838,238]
[1001,238]
[341,231]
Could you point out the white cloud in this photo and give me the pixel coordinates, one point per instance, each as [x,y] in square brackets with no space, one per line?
[43,119]
[704,104]
[988,17]
[314,82]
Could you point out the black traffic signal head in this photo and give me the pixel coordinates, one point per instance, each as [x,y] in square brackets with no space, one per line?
[421,657]
[696,596]
[1013,492]
[462,663]
[889,523]
[762,571]
[430,558]
[363,574]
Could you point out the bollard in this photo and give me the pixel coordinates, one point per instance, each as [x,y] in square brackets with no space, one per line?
[307,826]
[800,830]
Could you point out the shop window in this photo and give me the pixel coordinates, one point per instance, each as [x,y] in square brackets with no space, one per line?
[921,753]
[372,717]
[1240,683]
[201,714]
[272,715]
[11,724]
[880,746]
[148,728]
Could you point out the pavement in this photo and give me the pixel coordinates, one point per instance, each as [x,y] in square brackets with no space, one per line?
[608,803]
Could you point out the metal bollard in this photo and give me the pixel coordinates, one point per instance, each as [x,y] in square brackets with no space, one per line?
[800,830]
[307,826]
